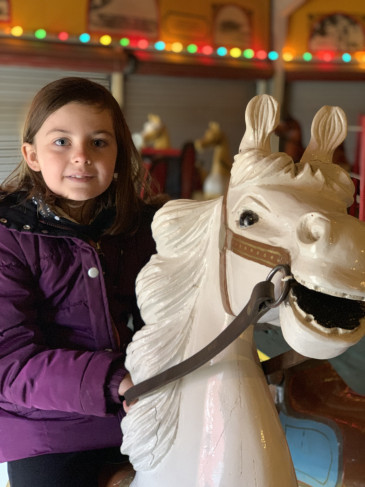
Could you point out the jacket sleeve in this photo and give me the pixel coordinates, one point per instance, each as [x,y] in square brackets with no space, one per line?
[31,374]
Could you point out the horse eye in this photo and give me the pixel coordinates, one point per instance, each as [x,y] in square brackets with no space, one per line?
[248,218]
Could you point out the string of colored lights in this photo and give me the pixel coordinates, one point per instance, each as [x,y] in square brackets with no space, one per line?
[286,55]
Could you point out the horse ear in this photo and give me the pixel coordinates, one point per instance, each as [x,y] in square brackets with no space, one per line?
[152,117]
[214,126]
[262,117]
[329,130]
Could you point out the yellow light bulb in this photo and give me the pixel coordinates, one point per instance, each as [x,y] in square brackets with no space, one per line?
[288,56]
[176,47]
[235,52]
[17,31]
[105,40]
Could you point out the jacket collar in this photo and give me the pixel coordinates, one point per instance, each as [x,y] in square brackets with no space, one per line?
[35,216]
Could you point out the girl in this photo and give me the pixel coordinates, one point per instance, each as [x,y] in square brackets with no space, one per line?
[73,236]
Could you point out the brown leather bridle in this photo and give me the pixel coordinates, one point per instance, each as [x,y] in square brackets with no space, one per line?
[262,299]
[267,255]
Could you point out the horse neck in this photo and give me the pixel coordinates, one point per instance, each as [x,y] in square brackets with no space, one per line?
[220,414]
[210,317]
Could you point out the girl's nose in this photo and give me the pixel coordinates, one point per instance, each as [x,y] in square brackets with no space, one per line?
[81,154]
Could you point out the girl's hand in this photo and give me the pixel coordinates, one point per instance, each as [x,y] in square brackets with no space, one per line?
[124,386]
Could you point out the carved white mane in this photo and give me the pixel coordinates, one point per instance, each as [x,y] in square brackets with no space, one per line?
[167,289]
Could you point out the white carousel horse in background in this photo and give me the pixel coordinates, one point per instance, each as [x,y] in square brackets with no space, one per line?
[216,181]
[218,426]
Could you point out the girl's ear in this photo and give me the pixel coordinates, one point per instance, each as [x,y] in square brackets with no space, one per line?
[30,156]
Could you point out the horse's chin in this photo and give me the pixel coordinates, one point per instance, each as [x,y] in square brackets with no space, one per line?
[321,326]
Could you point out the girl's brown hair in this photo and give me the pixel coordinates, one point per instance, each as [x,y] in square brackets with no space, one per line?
[124,191]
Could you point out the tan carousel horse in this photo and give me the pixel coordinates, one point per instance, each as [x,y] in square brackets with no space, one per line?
[216,181]
[154,133]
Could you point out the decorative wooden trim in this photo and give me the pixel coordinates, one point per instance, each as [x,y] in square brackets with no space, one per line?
[171,64]
[22,52]
[323,72]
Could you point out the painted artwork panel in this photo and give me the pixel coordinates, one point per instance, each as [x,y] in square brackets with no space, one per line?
[232,26]
[4,10]
[127,18]
[337,32]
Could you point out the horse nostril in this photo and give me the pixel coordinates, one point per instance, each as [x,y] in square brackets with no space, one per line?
[312,228]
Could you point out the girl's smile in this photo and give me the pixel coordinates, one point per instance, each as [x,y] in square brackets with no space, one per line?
[75,150]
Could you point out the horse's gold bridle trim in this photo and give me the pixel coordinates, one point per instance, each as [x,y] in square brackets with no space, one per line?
[264,254]
[259,252]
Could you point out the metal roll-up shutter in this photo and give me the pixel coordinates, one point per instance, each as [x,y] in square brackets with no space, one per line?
[18,85]
[186,105]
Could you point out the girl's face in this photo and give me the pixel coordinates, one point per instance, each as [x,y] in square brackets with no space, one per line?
[75,150]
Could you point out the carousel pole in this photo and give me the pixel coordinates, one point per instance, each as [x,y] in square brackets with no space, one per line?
[282,9]
[362,170]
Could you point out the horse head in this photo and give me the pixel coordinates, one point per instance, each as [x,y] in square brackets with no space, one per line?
[281,212]
[211,137]
[154,133]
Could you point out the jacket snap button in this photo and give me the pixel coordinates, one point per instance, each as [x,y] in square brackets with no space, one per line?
[93,272]
[26,227]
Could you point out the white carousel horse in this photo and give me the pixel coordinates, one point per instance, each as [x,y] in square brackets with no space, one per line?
[216,181]
[218,426]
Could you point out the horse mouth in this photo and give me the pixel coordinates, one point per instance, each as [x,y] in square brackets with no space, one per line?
[327,312]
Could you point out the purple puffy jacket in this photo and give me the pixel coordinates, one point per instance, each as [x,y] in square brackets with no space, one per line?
[64,310]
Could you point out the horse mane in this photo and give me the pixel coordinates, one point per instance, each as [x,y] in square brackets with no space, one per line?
[167,288]
[257,166]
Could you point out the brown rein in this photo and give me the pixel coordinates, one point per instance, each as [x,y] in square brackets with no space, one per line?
[262,299]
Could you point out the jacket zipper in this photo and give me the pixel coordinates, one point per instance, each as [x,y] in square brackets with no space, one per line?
[99,251]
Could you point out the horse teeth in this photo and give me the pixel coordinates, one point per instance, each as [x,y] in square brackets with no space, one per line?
[310,319]
[323,290]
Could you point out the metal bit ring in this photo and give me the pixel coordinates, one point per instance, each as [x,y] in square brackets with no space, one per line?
[286,286]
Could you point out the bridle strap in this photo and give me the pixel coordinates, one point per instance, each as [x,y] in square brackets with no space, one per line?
[259,252]
[283,361]
[259,303]
[223,247]
[264,254]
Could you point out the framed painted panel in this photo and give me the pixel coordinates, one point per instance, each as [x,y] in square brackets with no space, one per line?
[4,10]
[337,32]
[128,18]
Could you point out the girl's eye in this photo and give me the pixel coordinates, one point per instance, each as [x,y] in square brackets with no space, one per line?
[248,218]
[99,143]
[61,142]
